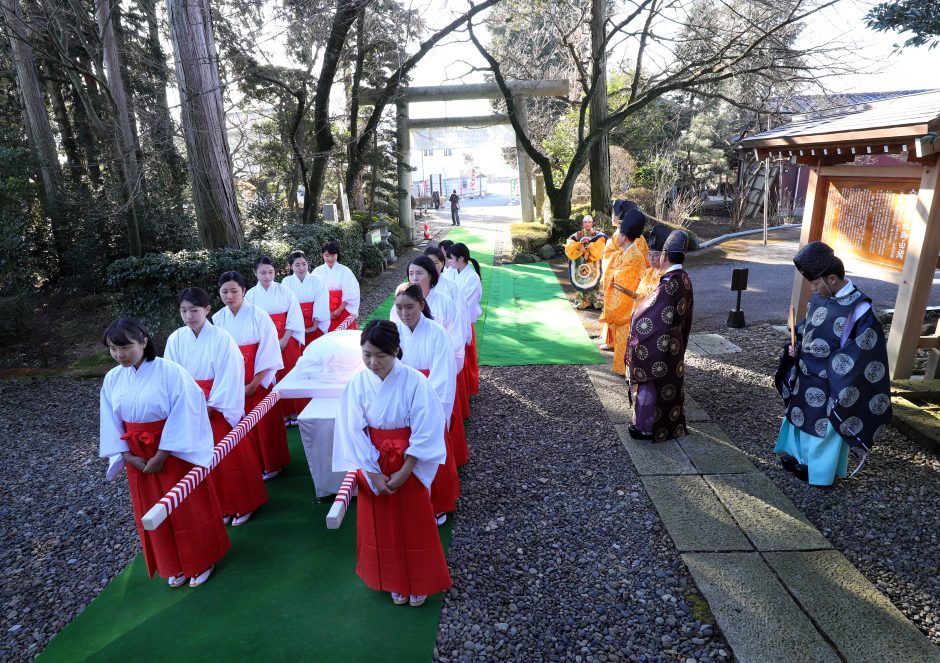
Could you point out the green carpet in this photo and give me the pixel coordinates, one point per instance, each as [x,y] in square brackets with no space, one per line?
[287,590]
[529,321]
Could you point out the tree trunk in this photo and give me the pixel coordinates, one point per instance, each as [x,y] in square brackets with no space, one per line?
[323,143]
[353,180]
[72,155]
[203,116]
[600,153]
[163,125]
[123,134]
[38,129]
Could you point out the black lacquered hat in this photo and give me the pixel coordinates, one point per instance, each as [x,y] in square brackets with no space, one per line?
[814,259]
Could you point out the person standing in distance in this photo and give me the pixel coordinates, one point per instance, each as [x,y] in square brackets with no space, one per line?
[454,208]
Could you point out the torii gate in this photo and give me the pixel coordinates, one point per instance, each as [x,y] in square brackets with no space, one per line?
[521,90]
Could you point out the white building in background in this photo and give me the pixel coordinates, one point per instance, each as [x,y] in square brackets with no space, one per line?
[468,160]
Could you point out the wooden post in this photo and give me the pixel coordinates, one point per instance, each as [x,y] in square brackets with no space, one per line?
[916,275]
[766,196]
[814,209]
[405,218]
[525,165]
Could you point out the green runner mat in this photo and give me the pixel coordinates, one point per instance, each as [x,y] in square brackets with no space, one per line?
[286,590]
[526,319]
[481,243]
[529,321]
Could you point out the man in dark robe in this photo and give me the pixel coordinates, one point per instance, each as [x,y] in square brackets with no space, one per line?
[659,334]
[837,388]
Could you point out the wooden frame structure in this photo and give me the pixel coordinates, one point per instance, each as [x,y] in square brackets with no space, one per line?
[837,147]
[521,90]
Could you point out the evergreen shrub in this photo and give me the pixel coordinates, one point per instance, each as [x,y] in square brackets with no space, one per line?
[529,237]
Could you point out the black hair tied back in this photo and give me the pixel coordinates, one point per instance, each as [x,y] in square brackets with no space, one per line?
[125,331]
[383,334]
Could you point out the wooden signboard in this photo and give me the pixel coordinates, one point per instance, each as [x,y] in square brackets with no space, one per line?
[870,219]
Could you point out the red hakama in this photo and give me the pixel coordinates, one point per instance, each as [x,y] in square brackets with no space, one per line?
[457,439]
[398,548]
[471,365]
[307,309]
[462,394]
[268,436]
[290,353]
[237,479]
[336,298]
[445,489]
[193,538]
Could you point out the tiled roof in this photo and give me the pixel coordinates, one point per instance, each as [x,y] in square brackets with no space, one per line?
[826,103]
[913,110]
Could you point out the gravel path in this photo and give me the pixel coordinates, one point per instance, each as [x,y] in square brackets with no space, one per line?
[64,530]
[557,552]
[885,520]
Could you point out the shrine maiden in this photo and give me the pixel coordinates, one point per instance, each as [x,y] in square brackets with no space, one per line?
[153,420]
[423,272]
[448,272]
[470,288]
[391,430]
[256,336]
[425,347]
[212,358]
[342,286]
[281,304]
[312,295]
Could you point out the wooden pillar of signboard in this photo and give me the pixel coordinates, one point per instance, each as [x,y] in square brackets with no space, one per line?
[814,211]
[920,263]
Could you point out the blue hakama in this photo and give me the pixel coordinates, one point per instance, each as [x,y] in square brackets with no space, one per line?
[826,457]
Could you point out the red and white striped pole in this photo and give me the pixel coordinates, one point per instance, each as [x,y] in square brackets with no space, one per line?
[346,491]
[345,323]
[175,496]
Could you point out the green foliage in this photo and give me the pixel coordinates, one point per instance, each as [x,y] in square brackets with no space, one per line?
[529,237]
[921,17]
[562,229]
[16,317]
[373,262]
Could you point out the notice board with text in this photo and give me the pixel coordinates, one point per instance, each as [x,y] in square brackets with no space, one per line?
[870,219]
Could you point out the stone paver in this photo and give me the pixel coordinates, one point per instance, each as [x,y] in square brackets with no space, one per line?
[756,614]
[612,390]
[861,622]
[711,451]
[694,412]
[767,516]
[711,344]
[660,458]
[696,520]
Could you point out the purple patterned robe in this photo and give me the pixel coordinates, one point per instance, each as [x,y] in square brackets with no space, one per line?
[655,355]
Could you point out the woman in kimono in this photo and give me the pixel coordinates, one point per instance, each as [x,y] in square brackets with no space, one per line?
[425,347]
[312,295]
[256,336]
[281,304]
[448,271]
[449,315]
[471,290]
[153,420]
[392,432]
[625,271]
[343,287]
[211,357]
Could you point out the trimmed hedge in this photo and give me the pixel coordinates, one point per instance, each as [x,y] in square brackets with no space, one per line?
[529,237]
[147,288]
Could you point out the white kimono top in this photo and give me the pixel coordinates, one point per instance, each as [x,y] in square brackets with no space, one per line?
[311,289]
[253,325]
[158,390]
[446,312]
[279,299]
[213,355]
[340,277]
[428,347]
[471,288]
[450,288]
[449,273]
[405,398]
